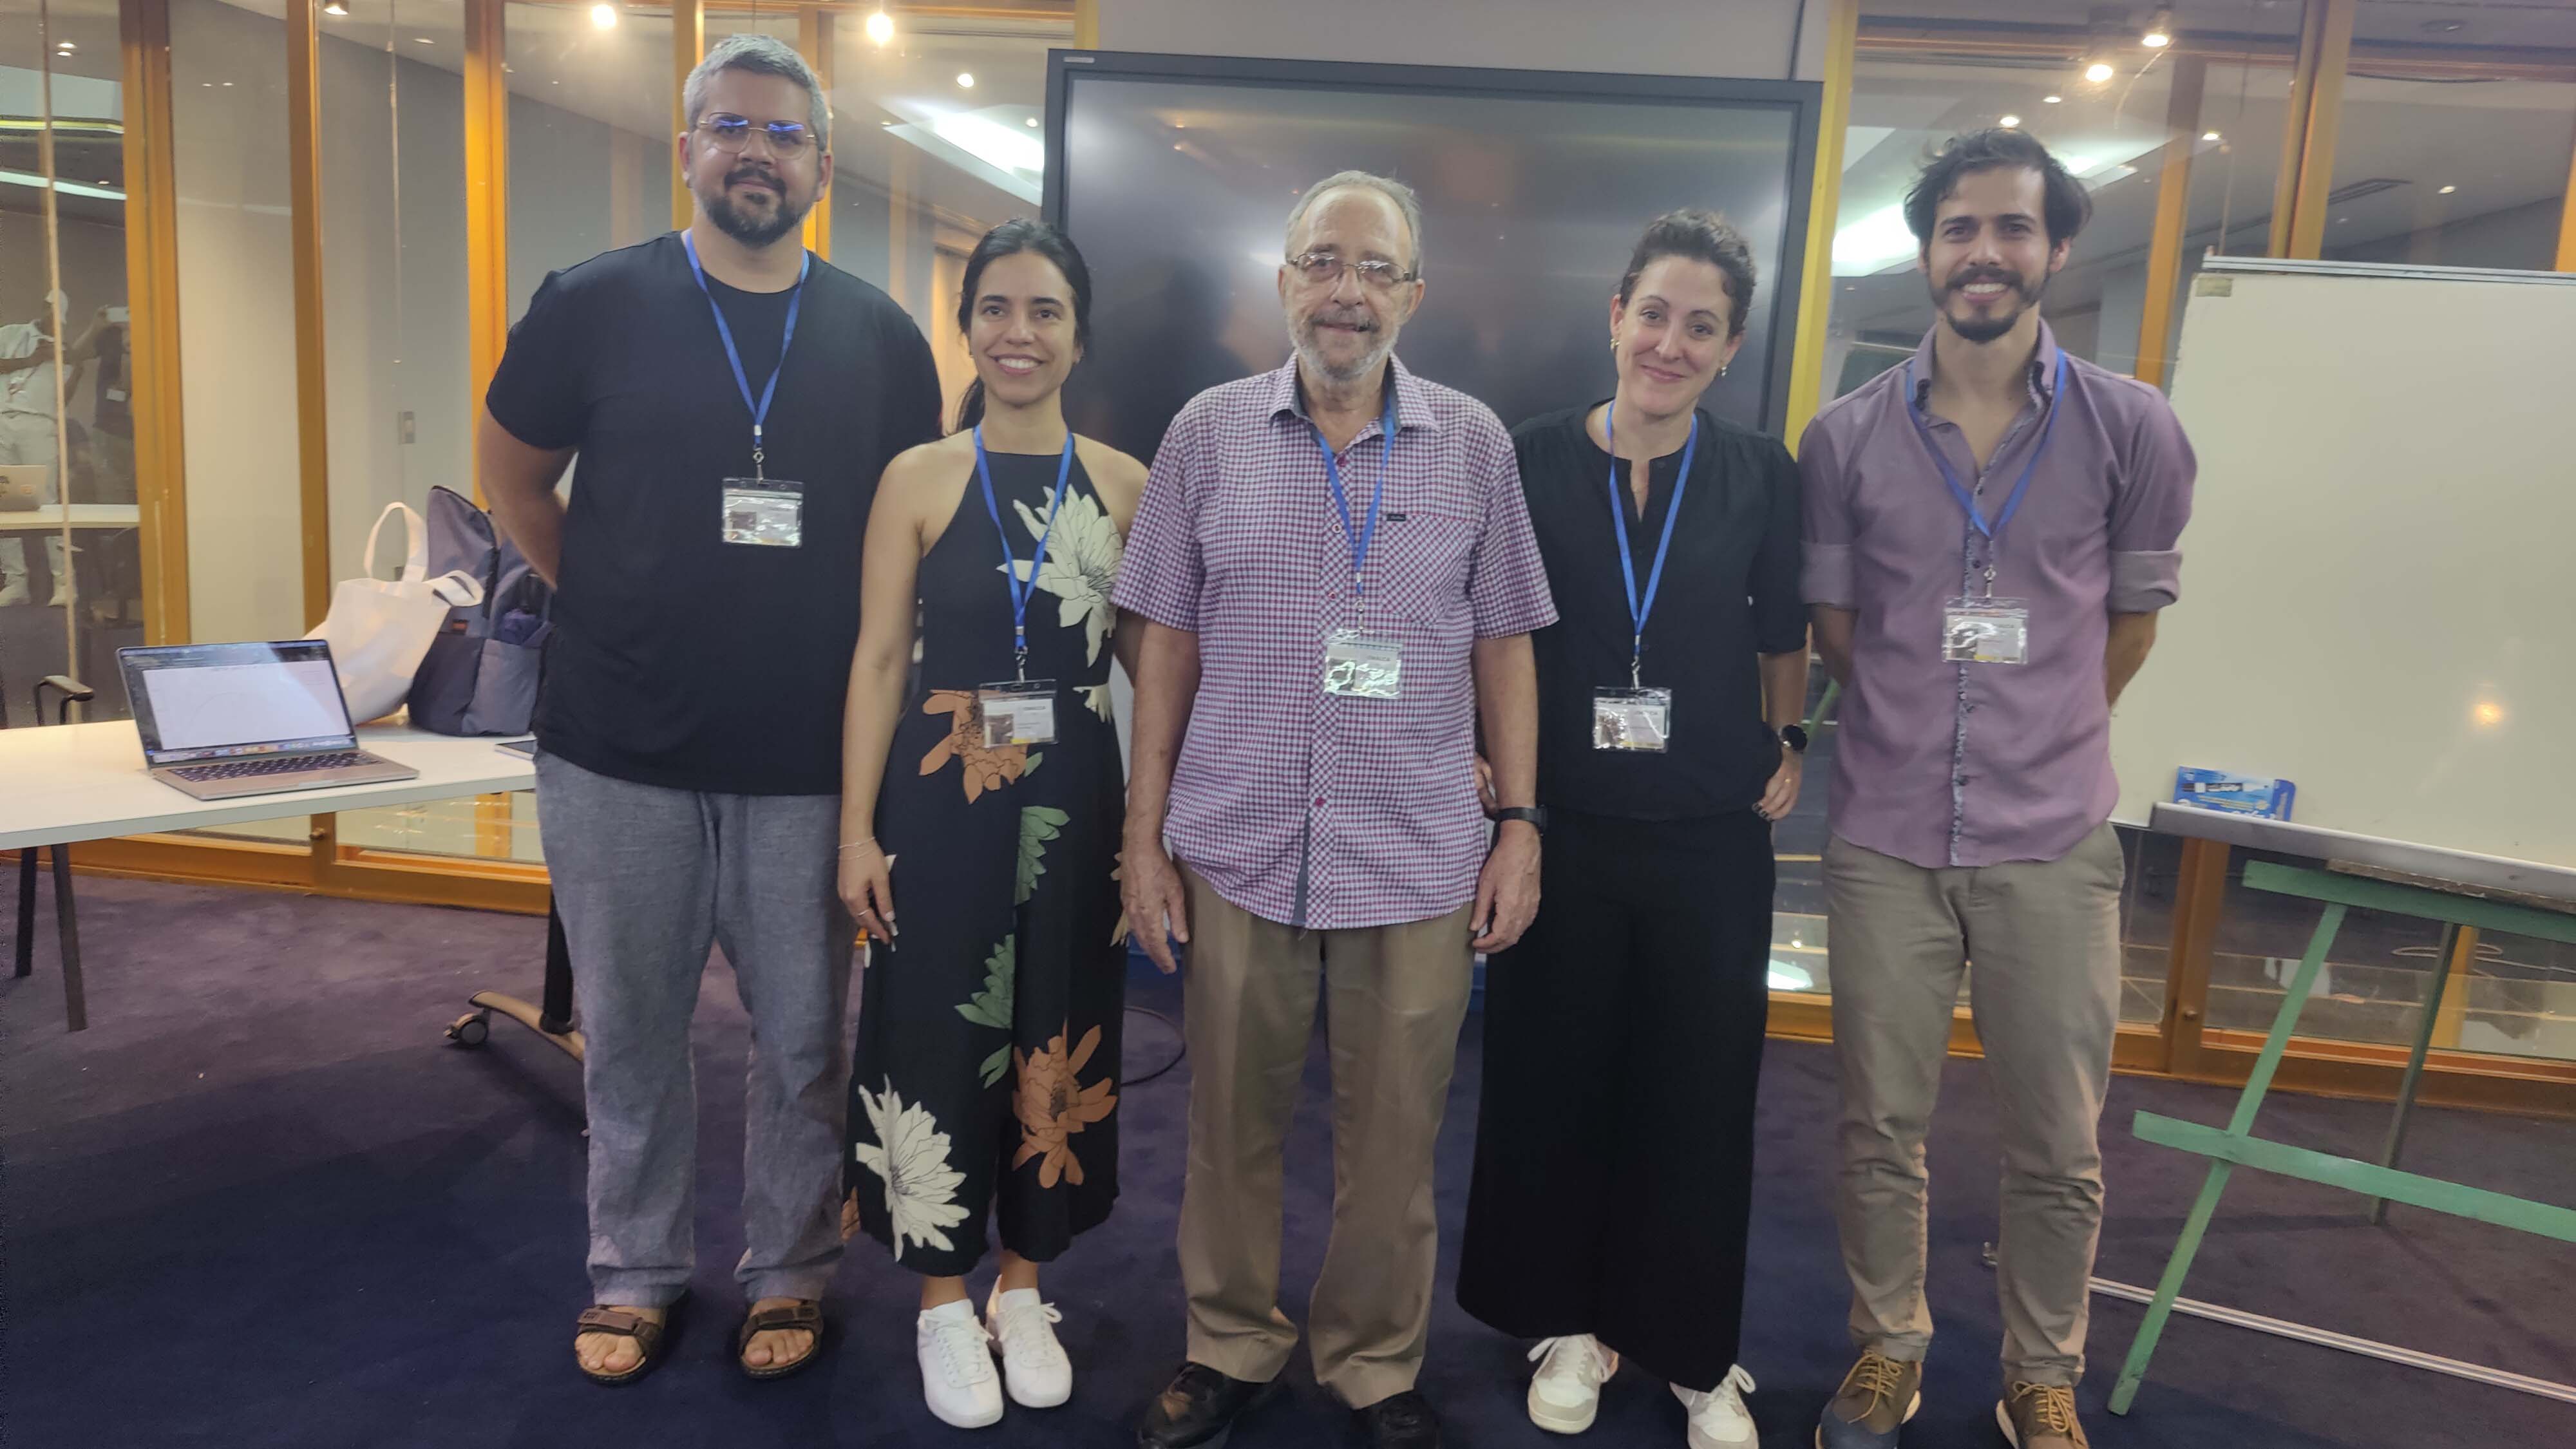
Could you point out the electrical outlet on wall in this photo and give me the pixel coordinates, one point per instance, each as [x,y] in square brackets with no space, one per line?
[406,425]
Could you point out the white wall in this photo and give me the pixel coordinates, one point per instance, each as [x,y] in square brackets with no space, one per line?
[1738,38]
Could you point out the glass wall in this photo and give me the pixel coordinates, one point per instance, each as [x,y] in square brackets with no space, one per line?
[2449,172]
[590,135]
[71,588]
[935,141]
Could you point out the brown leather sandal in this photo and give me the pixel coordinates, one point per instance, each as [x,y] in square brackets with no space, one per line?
[804,1314]
[648,1336]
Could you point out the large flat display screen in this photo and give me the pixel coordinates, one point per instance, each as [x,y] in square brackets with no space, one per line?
[1175,176]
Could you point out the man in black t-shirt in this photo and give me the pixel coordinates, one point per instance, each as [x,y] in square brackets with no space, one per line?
[732,401]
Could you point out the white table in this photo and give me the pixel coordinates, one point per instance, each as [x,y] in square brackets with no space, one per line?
[50,517]
[67,783]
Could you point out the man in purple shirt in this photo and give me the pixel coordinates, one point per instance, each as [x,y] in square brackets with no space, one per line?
[1339,581]
[1990,530]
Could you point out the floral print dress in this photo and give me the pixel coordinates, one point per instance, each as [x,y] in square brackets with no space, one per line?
[986,1074]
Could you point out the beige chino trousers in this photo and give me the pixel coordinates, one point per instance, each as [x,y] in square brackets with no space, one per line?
[1394,998]
[2045,993]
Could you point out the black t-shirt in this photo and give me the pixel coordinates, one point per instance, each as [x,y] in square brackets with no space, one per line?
[1729,593]
[678,659]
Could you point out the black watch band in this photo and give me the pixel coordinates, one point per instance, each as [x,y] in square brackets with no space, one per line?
[1795,737]
[1534,815]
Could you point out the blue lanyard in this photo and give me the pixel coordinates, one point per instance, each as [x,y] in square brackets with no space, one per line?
[1361,537]
[1992,532]
[1637,611]
[1022,590]
[795,299]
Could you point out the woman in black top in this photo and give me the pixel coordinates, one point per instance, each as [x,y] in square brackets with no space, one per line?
[1623,1035]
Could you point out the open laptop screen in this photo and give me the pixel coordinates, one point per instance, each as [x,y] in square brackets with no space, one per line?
[210,701]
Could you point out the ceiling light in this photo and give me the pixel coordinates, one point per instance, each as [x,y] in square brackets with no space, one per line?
[1031,122]
[2159,31]
[2011,122]
[966,80]
[335,7]
[604,17]
[2051,100]
[880,28]
[994,145]
[422,40]
[2211,136]
[2447,190]
[2098,72]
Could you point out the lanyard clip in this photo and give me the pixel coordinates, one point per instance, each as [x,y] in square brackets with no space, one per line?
[1990,581]
[1020,652]
[1636,658]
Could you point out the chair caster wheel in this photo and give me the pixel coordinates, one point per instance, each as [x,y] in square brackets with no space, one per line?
[470,1030]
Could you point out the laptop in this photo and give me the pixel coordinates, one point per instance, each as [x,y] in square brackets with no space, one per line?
[22,486]
[224,720]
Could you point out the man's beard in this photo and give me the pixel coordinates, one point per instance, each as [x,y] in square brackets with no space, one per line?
[752,230]
[1381,342]
[1988,328]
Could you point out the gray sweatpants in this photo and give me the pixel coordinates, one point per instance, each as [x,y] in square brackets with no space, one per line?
[645,879]
[2045,992]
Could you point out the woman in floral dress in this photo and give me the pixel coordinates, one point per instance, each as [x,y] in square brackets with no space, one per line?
[986,797]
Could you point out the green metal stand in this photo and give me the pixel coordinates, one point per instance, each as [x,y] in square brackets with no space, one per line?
[2236,1146]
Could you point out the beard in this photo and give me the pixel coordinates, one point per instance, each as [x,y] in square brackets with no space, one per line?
[1988,328]
[751,228]
[1310,350]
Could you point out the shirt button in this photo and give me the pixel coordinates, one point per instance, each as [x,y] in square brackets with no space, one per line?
[1958,779]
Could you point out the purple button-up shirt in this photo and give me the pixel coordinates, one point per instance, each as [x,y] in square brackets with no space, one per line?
[1306,808]
[1946,764]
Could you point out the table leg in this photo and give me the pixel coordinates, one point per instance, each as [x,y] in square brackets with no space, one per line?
[27,908]
[2415,1062]
[67,926]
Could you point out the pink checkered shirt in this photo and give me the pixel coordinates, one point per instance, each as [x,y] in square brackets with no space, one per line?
[1302,807]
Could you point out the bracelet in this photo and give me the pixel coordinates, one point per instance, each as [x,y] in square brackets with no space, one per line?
[855,844]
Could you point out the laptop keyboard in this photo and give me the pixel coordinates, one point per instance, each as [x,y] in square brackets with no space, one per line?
[277,765]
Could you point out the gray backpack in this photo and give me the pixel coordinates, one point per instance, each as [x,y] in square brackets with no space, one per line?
[481,674]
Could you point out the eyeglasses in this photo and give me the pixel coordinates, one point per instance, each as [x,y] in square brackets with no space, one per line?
[732,134]
[1325,269]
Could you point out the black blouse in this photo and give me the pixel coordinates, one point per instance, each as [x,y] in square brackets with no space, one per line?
[1730,594]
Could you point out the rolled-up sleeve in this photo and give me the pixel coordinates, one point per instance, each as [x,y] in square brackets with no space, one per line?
[2148,513]
[1162,576]
[1825,501]
[1507,580]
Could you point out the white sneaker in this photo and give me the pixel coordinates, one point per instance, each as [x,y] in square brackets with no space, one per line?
[1718,1419]
[14,591]
[1034,1367]
[957,1378]
[1567,1392]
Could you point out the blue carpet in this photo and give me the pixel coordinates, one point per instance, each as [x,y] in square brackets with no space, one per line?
[260,1202]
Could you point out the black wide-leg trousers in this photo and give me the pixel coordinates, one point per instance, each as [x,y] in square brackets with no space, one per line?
[1623,1047]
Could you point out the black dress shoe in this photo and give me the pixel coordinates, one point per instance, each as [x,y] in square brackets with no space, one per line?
[1404,1421]
[1197,1411]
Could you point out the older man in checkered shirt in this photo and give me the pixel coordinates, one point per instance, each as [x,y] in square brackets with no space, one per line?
[1339,581]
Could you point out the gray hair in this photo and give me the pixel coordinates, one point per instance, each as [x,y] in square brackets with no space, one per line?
[761,55]
[1406,203]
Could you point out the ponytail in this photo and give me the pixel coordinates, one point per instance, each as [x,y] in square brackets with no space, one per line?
[970,408]
[1008,239]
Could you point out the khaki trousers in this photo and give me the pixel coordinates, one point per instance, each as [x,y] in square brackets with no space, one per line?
[1394,998]
[2045,936]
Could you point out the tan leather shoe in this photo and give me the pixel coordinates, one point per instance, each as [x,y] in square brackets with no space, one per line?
[2041,1416]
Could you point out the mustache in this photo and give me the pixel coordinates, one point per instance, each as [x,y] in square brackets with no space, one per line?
[754,172]
[1973,275]
[1357,321]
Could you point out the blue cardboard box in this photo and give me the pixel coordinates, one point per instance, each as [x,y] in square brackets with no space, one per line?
[2235,794]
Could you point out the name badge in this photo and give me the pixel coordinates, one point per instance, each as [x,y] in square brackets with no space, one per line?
[1017,712]
[1363,667]
[1985,631]
[1632,719]
[765,511]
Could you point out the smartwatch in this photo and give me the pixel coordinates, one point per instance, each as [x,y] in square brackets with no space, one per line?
[1795,737]
[1535,815]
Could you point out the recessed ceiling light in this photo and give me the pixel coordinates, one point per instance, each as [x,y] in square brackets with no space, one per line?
[880,28]
[2009,122]
[2211,136]
[1031,122]
[335,7]
[966,80]
[2098,72]
[604,17]
[2447,190]
[422,40]
[2051,100]
[2159,33]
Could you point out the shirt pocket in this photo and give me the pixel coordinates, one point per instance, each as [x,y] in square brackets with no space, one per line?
[1421,566]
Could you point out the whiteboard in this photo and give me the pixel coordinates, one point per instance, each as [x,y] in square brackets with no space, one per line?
[2379,578]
